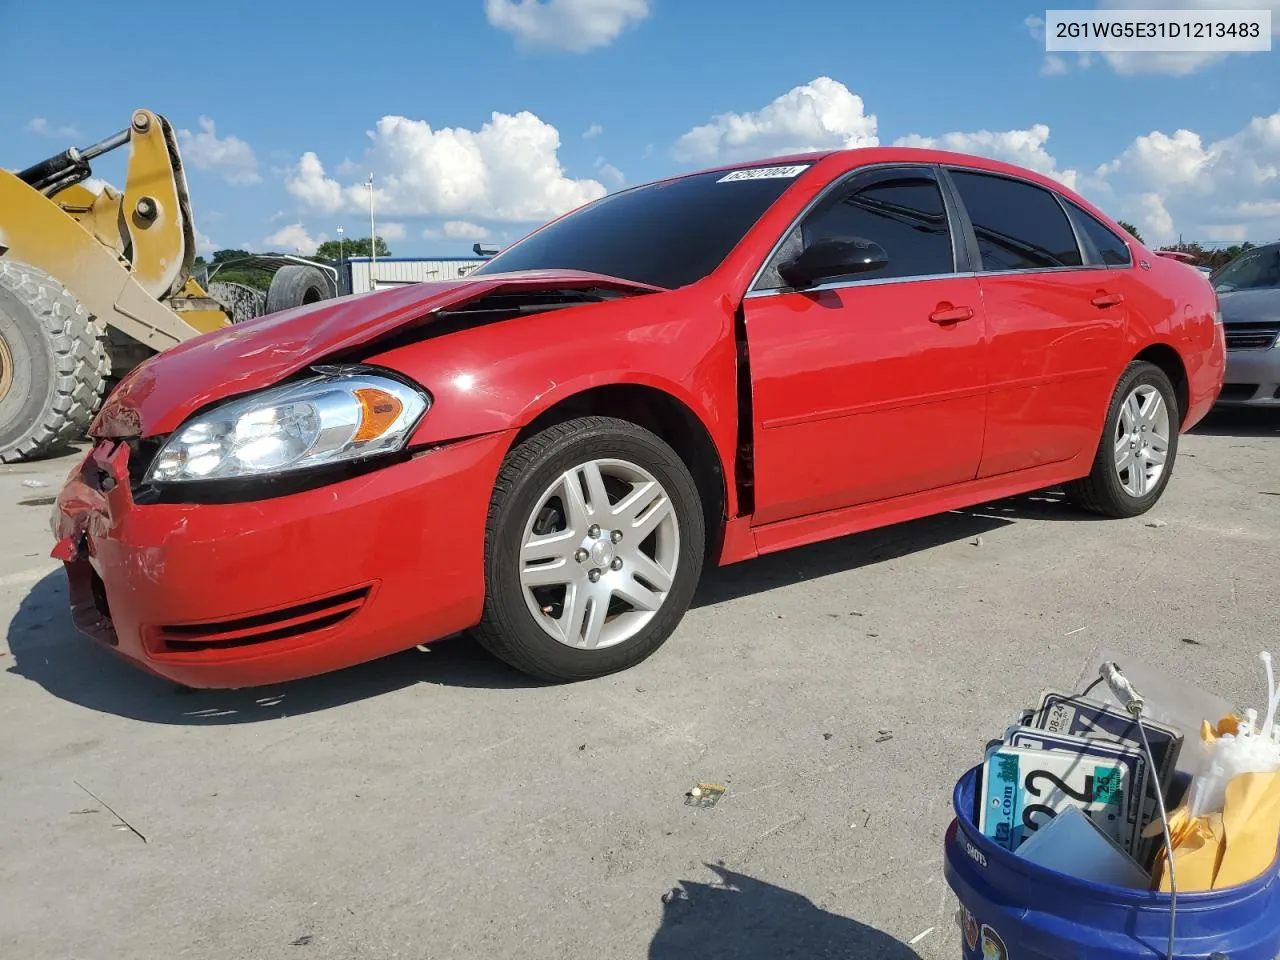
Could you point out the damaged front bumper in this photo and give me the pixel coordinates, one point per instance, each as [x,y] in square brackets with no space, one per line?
[255,592]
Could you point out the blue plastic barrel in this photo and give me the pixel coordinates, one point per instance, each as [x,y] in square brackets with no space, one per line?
[1015,910]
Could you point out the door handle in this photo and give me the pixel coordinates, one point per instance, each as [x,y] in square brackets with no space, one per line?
[950,314]
[1107,299]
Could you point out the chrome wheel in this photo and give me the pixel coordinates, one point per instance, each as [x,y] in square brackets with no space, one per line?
[599,553]
[1142,440]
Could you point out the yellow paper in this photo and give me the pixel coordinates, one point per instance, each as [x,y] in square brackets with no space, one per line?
[1198,845]
[1251,818]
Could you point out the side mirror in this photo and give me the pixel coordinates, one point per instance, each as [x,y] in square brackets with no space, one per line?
[833,257]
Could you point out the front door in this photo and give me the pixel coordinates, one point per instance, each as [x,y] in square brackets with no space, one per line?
[873,386]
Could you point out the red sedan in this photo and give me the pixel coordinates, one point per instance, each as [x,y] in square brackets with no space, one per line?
[547,452]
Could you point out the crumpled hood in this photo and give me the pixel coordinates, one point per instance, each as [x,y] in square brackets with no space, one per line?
[157,396]
[1242,306]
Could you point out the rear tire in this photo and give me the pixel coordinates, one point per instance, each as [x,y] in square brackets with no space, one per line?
[53,364]
[296,285]
[1139,444]
[580,585]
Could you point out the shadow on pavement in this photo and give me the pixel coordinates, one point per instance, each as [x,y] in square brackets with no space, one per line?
[741,918]
[875,546]
[1239,422]
[47,649]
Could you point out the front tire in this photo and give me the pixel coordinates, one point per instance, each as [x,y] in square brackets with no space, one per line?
[1139,443]
[53,364]
[593,550]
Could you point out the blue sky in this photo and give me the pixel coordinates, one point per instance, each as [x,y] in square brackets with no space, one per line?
[282,108]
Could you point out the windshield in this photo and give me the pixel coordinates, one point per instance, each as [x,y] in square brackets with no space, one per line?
[1253,270]
[668,234]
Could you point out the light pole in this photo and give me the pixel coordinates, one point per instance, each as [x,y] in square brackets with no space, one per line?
[373,240]
[340,239]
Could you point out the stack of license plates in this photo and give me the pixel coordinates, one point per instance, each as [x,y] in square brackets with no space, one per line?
[1075,752]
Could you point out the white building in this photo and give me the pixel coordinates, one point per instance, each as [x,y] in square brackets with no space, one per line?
[398,271]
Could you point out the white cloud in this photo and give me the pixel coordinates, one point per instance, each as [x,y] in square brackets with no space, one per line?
[592,131]
[1054,66]
[309,184]
[456,230]
[507,170]
[43,128]
[573,25]
[229,157]
[1259,209]
[1168,183]
[1175,160]
[1026,148]
[390,230]
[1175,183]
[609,172]
[820,115]
[1153,219]
[204,244]
[295,239]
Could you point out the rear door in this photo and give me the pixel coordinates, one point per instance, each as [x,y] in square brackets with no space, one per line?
[1056,322]
[873,386]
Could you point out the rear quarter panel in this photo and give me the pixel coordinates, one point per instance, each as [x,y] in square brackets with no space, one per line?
[505,374]
[1174,304]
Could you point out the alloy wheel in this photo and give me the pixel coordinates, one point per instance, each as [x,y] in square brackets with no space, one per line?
[1142,440]
[599,553]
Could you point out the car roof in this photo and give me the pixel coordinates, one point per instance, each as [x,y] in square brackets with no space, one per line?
[836,161]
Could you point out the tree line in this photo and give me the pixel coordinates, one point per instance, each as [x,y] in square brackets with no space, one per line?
[328,253]
[1203,257]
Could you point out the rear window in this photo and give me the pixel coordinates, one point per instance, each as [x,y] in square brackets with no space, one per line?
[1113,250]
[1019,226]
[667,234]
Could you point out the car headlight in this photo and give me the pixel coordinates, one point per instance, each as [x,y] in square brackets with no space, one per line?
[341,414]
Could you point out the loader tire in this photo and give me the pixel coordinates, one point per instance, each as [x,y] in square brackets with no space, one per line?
[295,285]
[53,364]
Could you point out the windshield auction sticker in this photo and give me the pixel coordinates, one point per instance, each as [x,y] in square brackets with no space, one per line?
[1157,31]
[765,173]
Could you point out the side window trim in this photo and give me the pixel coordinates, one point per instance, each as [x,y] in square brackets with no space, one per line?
[1074,214]
[1081,247]
[858,179]
[971,235]
[964,231]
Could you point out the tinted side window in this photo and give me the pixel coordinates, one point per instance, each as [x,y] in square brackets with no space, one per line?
[903,213]
[1113,250]
[1019,226]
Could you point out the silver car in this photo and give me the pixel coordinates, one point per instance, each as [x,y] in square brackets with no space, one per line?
[1249,294]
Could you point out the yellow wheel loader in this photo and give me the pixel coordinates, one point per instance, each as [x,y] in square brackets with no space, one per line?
[91,284]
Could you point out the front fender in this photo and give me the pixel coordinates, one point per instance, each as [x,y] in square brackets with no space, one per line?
[503,375]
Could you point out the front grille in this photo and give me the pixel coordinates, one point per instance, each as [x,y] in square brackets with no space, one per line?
[1238,391]
[1252,336]
[285,623]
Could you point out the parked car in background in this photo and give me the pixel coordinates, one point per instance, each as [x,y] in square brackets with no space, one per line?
[701,370]
[1248,291]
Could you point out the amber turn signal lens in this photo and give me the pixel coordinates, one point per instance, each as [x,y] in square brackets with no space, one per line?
[378,411]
